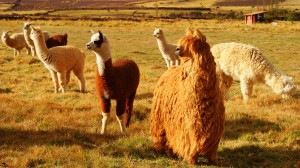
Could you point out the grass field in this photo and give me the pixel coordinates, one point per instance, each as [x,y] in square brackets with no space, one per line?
[39,128]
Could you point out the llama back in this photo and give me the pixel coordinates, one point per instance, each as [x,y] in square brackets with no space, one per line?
[241,60]
[127,72]
[69,54]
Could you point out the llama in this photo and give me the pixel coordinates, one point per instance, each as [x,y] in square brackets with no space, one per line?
[27,30]
[118,80]
[60,61]
[57,40]
[248,65]
[16,41]
[187,114]
[167,50]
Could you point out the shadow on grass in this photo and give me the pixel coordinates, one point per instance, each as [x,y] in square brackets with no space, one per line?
[247,125]
[16,139]
[144,96]
[256,156]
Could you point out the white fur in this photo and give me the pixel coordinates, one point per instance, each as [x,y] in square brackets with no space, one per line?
[167,50]
[248,65]
[15,41]
[104,119]
[29,41]
[60,61]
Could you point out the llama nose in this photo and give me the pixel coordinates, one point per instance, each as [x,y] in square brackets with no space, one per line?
[88,46]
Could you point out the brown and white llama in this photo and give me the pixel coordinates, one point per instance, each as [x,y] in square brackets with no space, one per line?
[187,115]
[118,80]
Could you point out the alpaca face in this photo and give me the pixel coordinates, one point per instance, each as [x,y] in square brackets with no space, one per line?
[27,25]
[4,35]
[96,42]
[35,34]
[285,86]
[157,33]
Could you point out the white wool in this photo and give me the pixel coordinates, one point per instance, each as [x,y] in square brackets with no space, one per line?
[16,41]
[167,50]
[60,61]
[248,65]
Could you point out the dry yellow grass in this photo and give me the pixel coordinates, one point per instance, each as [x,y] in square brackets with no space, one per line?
[39,128]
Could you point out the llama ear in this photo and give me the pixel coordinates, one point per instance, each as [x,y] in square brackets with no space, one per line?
[33,28]
[101,37]
[189,31]
[199,35]
[92,31]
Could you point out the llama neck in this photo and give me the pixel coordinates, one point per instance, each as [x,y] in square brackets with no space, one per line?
[27,38]
[271,78]
[102,56]
[41,48]
[162,44]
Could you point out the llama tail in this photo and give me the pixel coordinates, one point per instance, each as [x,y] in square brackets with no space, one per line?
[129,106]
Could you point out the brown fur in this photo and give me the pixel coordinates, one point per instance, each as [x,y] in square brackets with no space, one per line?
[120,81]
[187,115]
[57,40]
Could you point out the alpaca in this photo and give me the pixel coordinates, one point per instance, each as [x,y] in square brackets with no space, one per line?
[167,50]
[118,80]
[57,40]
[27,30]
[60,61]
[187,115]
[248,65]
[16,41]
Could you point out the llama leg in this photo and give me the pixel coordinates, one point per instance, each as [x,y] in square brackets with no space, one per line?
[105,107]
[245,89]
[167,62]
[212,155]
[28,50]
[32,51]
[68,75]
[128,109]
[62,81]
[55,80]
[81,79]
[15,52]
[120,113]
[225,84]
[177,62]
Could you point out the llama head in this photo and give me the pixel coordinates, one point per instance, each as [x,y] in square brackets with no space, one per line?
[193,44]
[4,35]
[99,44]
[36,33]
[158,33]
[27,25]
[97,40]
[285,86]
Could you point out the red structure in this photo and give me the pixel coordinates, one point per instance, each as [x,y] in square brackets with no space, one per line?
[252,18]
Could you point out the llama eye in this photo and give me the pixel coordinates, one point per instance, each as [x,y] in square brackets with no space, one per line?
[98,42]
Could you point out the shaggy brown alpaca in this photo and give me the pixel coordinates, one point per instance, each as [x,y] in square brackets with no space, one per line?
[187,115]
[57,40]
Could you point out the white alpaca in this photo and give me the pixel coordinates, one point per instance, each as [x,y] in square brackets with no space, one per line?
[15,41]
[60,61]
[247,64]
[27,30]
[167,50]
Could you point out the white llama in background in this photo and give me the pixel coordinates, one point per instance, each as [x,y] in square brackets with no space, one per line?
[60,61]
[247,64]
[167,50]
[16,41]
